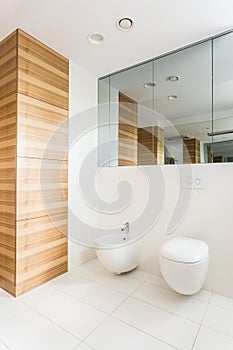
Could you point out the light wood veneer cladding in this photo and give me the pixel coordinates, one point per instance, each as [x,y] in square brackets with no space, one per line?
[42,73]
[127,131]
[42,250]
[150,145]
[42,129]
[34,83]
[191,151]
[41,187]
[8,123]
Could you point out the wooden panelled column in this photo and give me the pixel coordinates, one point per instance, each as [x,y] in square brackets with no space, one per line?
[34,82]
[8,128]
[128,134]
[191,151]
[150,145]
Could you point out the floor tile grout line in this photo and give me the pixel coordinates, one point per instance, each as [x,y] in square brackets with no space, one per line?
[171,290]
[140,330]
[49,319]
[166,310]
[84,339]
[110,315]
[86,303]
[217,331]
[111,288]
[195,340]
[76,348]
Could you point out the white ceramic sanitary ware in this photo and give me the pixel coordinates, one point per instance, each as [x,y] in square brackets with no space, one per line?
[118,252]
[184,264]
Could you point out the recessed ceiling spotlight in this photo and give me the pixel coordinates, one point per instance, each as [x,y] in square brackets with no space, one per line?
[95,38]
[173,78]
[149,85]
[125,23]
[172,97]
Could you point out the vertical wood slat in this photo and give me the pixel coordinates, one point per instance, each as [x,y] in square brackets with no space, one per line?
[127,131]
[34,84]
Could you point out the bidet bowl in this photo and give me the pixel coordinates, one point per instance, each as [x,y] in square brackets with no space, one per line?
[118,252]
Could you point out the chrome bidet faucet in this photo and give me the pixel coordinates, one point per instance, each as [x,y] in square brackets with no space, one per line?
[125,228]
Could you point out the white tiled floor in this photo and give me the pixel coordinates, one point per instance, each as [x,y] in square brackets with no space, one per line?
[93,309]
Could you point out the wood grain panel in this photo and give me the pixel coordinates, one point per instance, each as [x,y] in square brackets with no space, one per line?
[52,269]
[41,248]
[8,124]
[158,145]
[150,145]
[191,151]
[34,83]
[127,131]
[42,129]
[41,187]
[42,73]
[145,146]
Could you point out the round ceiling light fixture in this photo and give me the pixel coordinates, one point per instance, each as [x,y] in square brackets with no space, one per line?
[95,38]
[149,85]
[125,23]
[173,78]
[172,97]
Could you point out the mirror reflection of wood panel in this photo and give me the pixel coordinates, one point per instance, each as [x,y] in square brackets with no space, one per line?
[191,149]
[128,131]
[145,146]
[159,145]
[150,145]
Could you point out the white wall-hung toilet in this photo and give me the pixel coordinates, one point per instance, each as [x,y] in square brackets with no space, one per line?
[184,264]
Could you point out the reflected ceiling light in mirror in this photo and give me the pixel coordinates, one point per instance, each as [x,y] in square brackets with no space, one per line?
[149,85]
[95,38]
[125,23]
[172,97]
[173,78]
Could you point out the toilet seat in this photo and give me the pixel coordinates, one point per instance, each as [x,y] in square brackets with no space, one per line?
[185,250]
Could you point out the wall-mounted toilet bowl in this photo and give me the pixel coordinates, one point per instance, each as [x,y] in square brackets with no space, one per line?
[184,264]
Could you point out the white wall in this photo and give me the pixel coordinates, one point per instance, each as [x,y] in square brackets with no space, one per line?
[82,108]
[208,216]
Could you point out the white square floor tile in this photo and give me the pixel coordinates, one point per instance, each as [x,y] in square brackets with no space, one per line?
[122,283]
[185,306]
[158,281]
[219,319]
[171,329]
[139,274]
[74,316]
[29,330]
[211,340]
[9,306]
[92,293]
[62,279]
[222,301]
[203,295]
[114,334]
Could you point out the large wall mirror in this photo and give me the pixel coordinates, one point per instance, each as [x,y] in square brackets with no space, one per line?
[176,109]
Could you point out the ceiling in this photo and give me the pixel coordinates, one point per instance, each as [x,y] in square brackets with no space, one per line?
[160,26]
